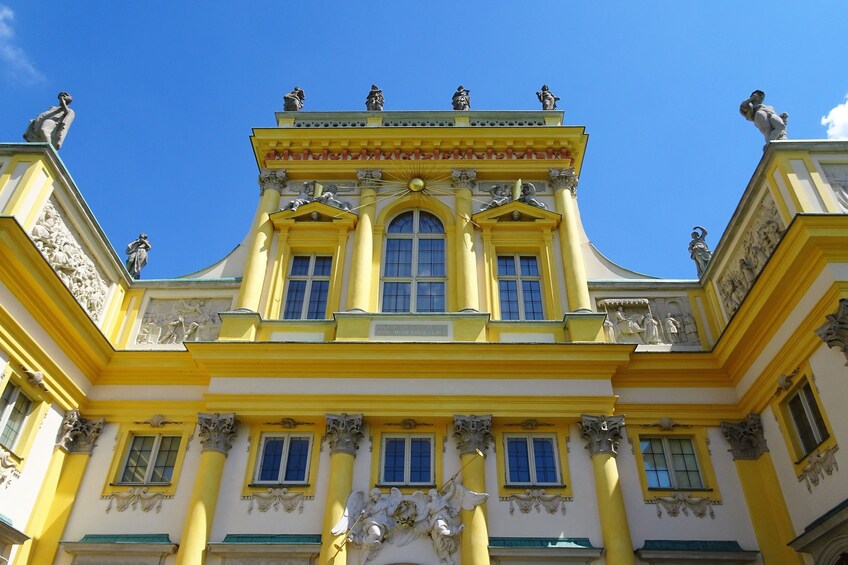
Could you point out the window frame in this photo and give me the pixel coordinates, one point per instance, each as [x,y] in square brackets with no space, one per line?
[6,413]
[786,422]
[284,457]
[407,461]
[40,404]
[310,278]
[519,278]
[534,482]
[151,464]
[819,435]
[669,462]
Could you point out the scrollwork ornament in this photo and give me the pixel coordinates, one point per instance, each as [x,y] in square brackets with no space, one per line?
[272,179]
[746,438]
[78,434]
[818,465]
[8,468]
[277,498]
[472,433]
[564,178]
[134,498]
[602,433]
[684,502]
[536,499]
[343,433]
[464,178]
[216,431]
[835,332]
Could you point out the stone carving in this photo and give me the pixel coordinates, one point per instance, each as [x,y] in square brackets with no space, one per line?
[547,98]
[464,178]
[343,433]
[746,438]
[468,154]
[288,423]
[461,99]
[216,431]
[135,497]
[501,194]
[771,125]
[303,198]
[368,178]
[35,378]
[374,100]
[157,421]
[784,382]
[837,177]
[472,433]
[8,468]
[698,249]
[272,179]
[52,126]
[277,498]
[654,321]
[818,465]
[530,424]
[408,424]
[564,178]
[538,499]
[172,321]
[665,423]
[528,196]
[373,519]
[835,332]
[59,244]
[78,434]
[684,502]
[293,101]
[137,255]
[758,243]
[329,197]
[602,433]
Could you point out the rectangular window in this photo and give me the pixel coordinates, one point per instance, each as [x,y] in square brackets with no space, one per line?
[284,458]
[670,463]
[307,288]
[150,459]
[15,407]
[810,430]
[520,288]
[531,460]
[407,460]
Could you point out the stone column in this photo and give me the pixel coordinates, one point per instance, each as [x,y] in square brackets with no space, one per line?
[474,433]
[343,434]
[55,501]
[215,431]
[464,181]
[602,435]
[763,495]
[361,264]
[564,182]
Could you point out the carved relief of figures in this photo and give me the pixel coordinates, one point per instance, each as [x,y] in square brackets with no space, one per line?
[59,244]
[649,321]
[303,198]
[758,243]
[501,194]
[528,196]
[837,176]
[468,154]
[172,321]
[328,197]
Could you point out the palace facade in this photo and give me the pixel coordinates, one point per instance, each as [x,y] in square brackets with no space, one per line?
[417,309]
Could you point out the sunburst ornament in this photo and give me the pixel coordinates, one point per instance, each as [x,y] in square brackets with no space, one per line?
[416,184]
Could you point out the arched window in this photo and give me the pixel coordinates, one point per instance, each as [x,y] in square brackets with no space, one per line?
[414,264]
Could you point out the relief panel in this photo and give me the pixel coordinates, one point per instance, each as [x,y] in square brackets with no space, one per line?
[169,321]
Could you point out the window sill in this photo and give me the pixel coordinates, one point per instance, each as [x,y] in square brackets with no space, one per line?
[666,489]
[158,485]
[278,485]
[540,486]
[413,485]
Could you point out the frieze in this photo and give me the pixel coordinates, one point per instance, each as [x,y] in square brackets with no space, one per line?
[536,499]
[837,176]
[650,321]
[134,498]
[683,502]
[819,465]
[416,155]
[277,498]
[175,321]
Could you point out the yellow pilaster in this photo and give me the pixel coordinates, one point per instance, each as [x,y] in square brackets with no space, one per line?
[359,295]
[467,292]
[576,286]
[215,431]
[473,434]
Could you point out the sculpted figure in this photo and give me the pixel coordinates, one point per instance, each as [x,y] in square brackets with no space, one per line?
[329,198]
[628,327]
[770,124]
[374,100]
[305,197]
[501,194]
[368,520]
[547,98]
[293,101]
[443,516]
[652,329]
[137,255]
[672,328]
[52,126]
[461,99]
[528,196]
[698,249]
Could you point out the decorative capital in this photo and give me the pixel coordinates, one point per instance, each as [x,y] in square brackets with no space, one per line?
[272,179]
[472,433]
[368,178]
[835,332]
[78,434]
[746,438]
[602,433]
[216,431]
[343,433]
[464,178]
[564,178]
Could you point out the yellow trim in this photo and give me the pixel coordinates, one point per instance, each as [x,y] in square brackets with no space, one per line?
[612,513]
[32,423]
[560,430]
[381,427]
[312,428]
[201,508]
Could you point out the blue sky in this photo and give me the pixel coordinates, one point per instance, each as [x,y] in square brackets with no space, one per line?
[166,94]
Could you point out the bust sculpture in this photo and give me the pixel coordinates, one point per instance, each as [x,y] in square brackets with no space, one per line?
[770,124]
[547,98]
[52,126]
[374,100]
[461,99]
[293,101]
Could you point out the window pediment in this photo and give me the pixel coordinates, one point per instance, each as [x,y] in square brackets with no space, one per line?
[517,213]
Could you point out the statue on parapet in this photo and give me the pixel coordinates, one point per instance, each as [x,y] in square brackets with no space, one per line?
[137,255]
[547,98]
[528,196]
[330,198]
[501,194]
[766,118]
[374,100]
[305,197]
[461,99]
[293,101]
[52,126]
[698,249]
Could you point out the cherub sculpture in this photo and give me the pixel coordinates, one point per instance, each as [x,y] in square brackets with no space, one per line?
[443,517]
[368,519]
[328,197]
[305,197]
[528,196]
[501,194]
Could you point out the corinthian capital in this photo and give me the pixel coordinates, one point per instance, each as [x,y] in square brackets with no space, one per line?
[343,433]
[216,431]
[602,433]
[77,434]
[368,178]
[464,178]
[472,433]
[272,179]
[835,332]
[563,178]
[746,438]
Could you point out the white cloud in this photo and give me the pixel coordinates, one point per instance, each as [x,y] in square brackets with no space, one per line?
[837,121]
[17,64]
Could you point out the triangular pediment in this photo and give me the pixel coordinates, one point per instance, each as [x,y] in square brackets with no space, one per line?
[516,212]
[314,212]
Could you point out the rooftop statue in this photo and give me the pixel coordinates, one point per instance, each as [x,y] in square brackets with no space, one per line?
[52,126]
[698,249]
[772,125]
[293,101]
[461,99]
[547,98]
[137,255]
[374,100]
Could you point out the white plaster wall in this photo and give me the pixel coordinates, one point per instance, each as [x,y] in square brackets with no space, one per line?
[14,179]
[134,392]
[688,395]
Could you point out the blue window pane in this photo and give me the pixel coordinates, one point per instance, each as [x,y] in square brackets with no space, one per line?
[294,300]
[506,266]
[508,291]
[656,469]
[429,224]
[396,297]
[518,460]
[532,300]
[543,452]
[272,456]
[431,257]
[419,465]
[402,224]
[430,297]
[393,460]
[529,267]
[398,258]
[300,266]
[322,266]
[297,460]
[317,309]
